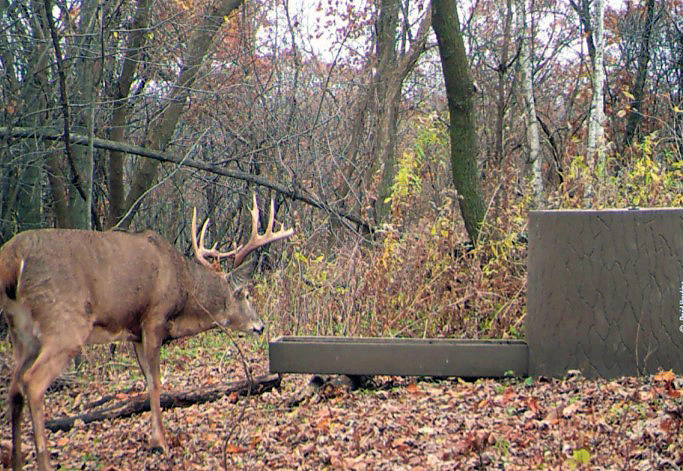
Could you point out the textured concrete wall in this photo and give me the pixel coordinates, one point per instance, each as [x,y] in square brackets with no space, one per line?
[605,292]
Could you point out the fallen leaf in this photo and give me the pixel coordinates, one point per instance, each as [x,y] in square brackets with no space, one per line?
[230,448]
[666,376]
[571,409]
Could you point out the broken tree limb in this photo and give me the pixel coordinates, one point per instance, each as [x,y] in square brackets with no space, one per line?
[169,400]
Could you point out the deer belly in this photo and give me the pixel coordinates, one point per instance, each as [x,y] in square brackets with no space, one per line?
[100,334]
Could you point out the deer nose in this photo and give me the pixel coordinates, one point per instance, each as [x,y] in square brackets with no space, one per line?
[258,329]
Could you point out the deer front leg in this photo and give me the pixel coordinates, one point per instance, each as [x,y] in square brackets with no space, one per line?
[148,359]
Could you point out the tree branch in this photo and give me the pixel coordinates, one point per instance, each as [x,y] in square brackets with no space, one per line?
[293,193]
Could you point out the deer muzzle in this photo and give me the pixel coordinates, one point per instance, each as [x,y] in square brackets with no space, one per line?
[257,328]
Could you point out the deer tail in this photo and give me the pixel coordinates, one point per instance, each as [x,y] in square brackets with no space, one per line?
[11,269]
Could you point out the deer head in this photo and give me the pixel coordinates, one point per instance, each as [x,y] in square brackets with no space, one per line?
[241,315]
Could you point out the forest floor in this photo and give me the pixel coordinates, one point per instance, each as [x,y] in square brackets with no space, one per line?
[394,423]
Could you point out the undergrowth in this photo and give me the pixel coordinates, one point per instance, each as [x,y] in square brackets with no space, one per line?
[419,277]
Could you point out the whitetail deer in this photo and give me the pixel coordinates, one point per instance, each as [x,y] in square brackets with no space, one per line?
[61,289]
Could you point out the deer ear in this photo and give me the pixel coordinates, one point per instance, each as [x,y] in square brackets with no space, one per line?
[241,274]
[241,293]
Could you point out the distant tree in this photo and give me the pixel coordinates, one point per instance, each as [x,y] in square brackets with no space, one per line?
[526,73]
[463,135]
[638,88]
[594,26]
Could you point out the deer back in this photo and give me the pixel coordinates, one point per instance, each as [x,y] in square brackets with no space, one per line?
[105,279]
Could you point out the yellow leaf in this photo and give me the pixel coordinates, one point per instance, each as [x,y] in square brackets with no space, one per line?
[666,376]
[628,95]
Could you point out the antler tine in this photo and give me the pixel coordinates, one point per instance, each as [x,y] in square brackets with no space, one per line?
[200,251]
[257,240]
[271,219]
[201,238]
[195,246]
[254,218]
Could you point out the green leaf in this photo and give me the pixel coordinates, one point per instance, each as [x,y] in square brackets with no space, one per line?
[581,456]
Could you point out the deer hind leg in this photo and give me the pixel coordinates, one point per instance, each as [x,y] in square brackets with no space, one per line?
[34,382]
[16,407]
[25,348]
[148,358]
[15,401]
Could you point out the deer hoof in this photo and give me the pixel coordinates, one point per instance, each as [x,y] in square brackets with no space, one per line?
[157,446]
[158,449]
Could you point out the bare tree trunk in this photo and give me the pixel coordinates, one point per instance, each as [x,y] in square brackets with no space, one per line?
[503,85]
[386,105]
[582,8]
[137,37]
[383,97]
[22,200]
[635,114]
[58,188]
[385,139]
[526,84]
[86,76]
[162,130]
[596,131]
[460,89]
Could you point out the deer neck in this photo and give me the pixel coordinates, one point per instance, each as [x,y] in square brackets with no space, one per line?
[208,295]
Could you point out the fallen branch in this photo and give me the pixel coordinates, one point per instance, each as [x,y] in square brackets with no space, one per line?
[169,400]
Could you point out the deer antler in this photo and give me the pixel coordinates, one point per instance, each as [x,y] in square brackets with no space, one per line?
[255,240]
[201,252]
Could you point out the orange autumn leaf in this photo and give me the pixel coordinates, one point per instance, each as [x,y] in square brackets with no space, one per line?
[229,448]
[532,404]
[666,376]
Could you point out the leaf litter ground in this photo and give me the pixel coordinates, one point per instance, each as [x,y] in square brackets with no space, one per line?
[394,423]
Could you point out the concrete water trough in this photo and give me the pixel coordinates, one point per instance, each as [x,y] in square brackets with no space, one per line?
[398,356]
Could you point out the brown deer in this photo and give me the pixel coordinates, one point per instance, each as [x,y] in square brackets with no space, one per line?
[61,289]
